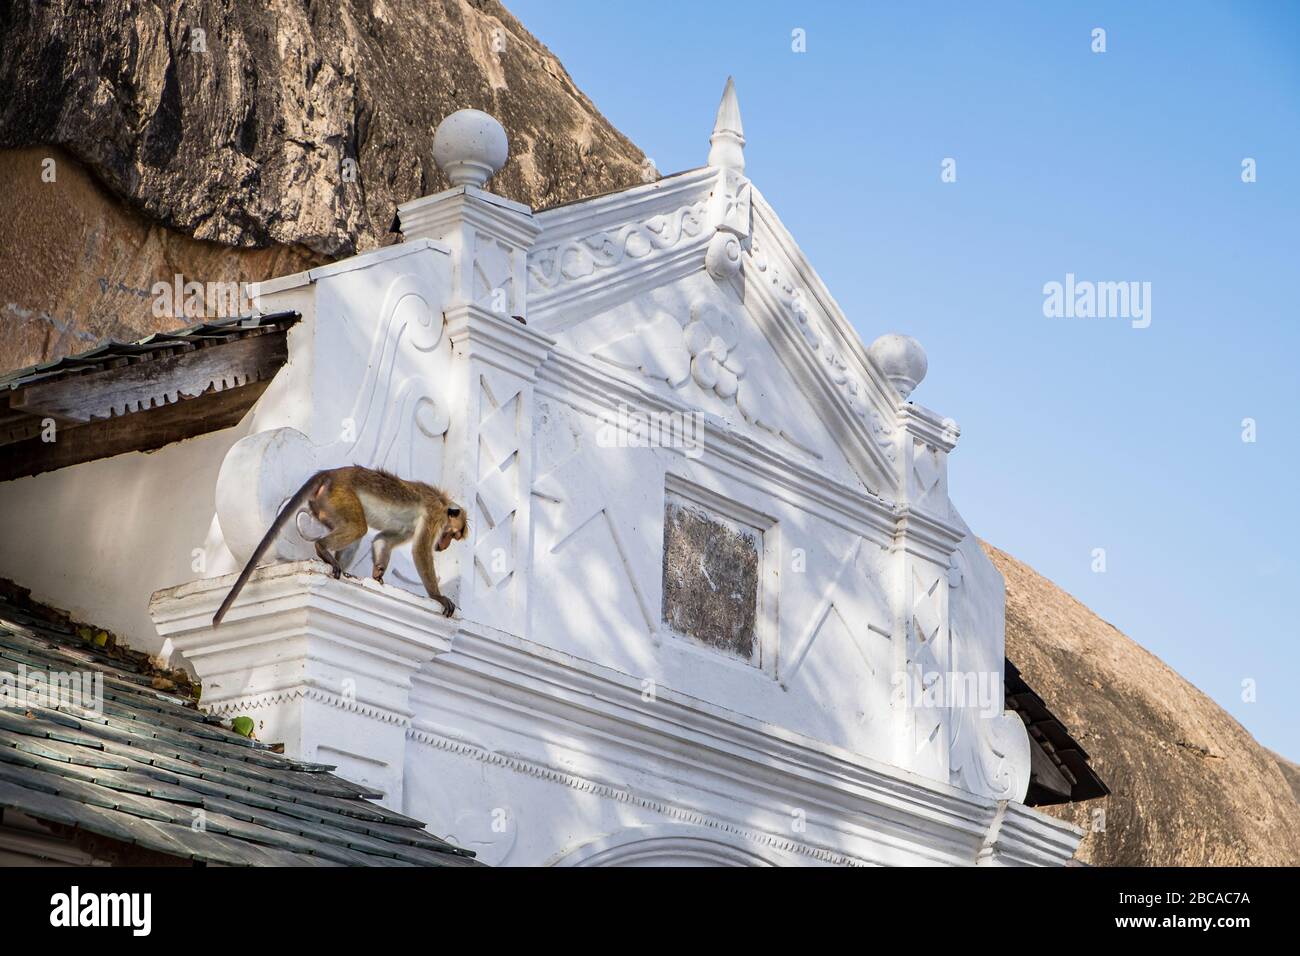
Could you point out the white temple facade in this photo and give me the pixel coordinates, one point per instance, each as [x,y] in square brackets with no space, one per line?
[716,605]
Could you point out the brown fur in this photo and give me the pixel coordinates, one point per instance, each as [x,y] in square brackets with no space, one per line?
[335,499]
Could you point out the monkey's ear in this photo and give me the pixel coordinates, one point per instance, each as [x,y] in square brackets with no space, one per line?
[453,512]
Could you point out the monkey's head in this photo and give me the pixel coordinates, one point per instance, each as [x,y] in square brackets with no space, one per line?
[455,529]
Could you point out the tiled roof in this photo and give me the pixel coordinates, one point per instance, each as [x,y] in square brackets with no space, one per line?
[150,764]
[113,353]
[122,397]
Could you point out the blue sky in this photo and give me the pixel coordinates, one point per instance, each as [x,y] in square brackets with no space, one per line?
[1118,166]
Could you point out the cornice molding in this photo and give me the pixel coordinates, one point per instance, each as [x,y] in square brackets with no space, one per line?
[679,814]
[926,535]
[295,627]
[480,333]
[544,713]
[1020,836]
[325,664]
[626,254]
[929,426]
[576,301]
[433,217]
[846,339]
[362,260]
[863,414]
[585,216]
[532,700]
[570,378]
[240,705]
[826,357]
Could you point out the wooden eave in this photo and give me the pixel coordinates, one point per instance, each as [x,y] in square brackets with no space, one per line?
[1059,767]
[139,396]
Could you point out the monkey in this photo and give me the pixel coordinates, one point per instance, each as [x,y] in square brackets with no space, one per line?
[348,501]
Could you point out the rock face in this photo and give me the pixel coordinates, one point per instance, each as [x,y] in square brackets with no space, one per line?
[85,262]
[278,124]
[1189,786]
[1292,773]
[234,122]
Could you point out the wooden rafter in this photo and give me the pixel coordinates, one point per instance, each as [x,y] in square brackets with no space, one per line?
[137,397]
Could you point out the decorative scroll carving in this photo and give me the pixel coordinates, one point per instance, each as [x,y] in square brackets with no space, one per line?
[884,436]
[723,256]
[655,348]
[395,401]
[576,259]
[394,422]
[711,337]
[989,752]
[257,476]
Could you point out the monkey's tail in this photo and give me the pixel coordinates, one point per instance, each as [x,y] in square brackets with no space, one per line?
[292,506]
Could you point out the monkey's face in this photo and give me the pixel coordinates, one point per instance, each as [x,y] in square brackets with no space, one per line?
[456,528]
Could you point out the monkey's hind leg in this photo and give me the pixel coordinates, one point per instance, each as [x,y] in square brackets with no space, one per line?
[348,557]
[338,508]
[329,546]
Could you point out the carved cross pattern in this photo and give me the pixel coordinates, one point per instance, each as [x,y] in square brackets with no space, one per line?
[736,203]
[498,479]
[925,465]
[927,619]
[925,655]
[493,271]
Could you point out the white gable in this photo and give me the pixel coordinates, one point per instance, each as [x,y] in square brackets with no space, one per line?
[689,294]
[707,633]
[692,280]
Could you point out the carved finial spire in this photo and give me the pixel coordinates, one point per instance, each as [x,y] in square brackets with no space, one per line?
[727,144]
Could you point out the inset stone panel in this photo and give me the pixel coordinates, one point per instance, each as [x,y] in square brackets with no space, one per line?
[711,575]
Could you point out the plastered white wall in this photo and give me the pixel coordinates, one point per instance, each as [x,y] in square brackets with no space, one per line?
[97,539]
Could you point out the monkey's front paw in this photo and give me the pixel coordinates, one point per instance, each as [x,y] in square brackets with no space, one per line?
[448,606]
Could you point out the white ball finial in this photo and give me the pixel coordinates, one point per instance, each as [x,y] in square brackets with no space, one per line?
[901,359]
[470,147]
